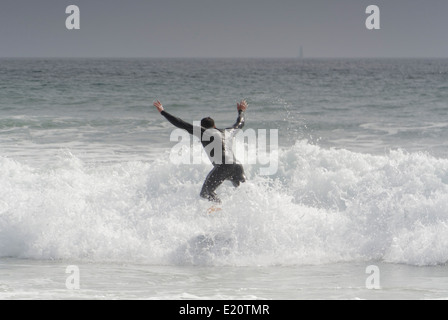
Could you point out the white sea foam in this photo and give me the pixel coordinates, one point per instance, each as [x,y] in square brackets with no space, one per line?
[323,206]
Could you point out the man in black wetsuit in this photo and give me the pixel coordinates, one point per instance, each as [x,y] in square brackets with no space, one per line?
[225,166]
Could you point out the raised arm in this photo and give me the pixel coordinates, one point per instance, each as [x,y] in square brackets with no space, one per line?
[174,120]
[240,121]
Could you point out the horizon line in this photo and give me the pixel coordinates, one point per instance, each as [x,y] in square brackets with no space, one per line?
[217,57]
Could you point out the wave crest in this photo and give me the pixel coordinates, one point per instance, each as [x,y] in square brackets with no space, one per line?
[322,206]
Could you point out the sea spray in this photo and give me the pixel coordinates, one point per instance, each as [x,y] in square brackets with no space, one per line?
[322,206]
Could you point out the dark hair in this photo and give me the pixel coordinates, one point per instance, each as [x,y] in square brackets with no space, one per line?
[208,123]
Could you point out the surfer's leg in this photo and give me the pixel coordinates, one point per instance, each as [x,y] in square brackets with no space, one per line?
[238,175]
[214,179]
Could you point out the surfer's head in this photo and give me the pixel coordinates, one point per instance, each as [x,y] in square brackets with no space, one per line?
[208,123]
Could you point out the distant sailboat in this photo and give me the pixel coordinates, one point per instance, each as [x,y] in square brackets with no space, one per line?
[301,53]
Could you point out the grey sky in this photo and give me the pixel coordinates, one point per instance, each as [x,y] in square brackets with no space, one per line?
[223,28]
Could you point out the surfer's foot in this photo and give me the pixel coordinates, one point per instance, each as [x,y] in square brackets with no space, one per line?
[213,210]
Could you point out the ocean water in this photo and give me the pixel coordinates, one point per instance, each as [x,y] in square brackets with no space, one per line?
[87,180]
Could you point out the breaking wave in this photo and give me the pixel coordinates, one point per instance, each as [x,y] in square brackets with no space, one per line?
[322,206]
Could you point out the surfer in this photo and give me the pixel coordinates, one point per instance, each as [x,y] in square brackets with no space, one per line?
[225,166]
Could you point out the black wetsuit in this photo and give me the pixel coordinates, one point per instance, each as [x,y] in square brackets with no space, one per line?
[225,165]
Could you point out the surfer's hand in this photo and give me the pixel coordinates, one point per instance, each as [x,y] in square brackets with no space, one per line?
[242,106]
[158,105]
